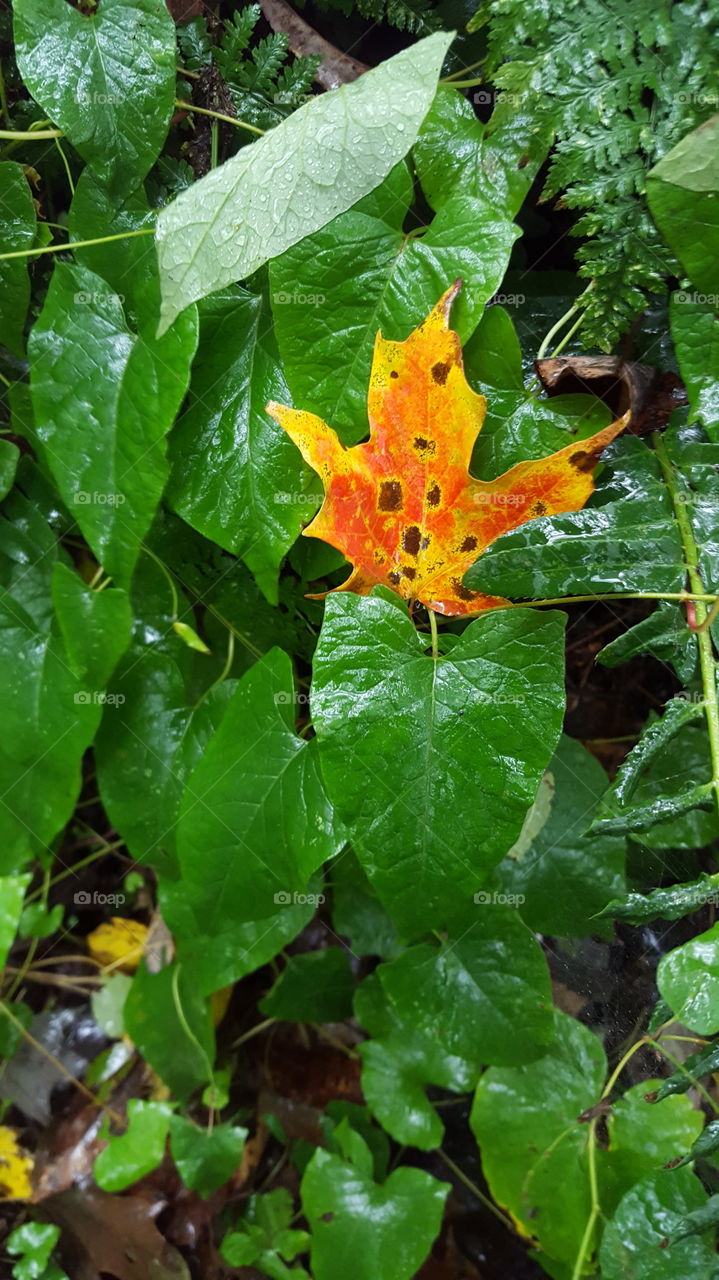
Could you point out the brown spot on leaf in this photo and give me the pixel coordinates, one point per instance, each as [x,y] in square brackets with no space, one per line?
[423,445]
[434,496]
[393,373]
[390,496]
[585,461]
[395,577]
[469,543]
[463,592]
[538,508]
[424,543]
[411,539]
[409,571]
[440,372]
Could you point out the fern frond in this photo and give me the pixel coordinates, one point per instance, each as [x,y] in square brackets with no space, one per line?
[620,82]
[237,36]
[194,44]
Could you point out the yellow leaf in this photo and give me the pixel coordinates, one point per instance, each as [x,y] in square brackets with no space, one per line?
[15,1167]
[118,944]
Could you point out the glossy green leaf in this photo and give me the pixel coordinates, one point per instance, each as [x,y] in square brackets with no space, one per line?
[485,996]
[368,1231]
[493,352]
[699,1221]
[398,1063]
[40,921]
[49,718]
[126,262]
[497,161]
[341,1118]
[111,92]
[682,193]
[104,398]
[357,913]
[220,958]
[563,877]
[95,625]
[129,1156]
[688,979]
[695,333]
[34,1242]
[635,1240]
[664,634]
[625,540]
[334,291]
[669,902]
[677,713]
[264,1236]
[254,821]
[168,1021]
[206,1158]
[317,163]
[149,742]
[18,224]
[399,746]
[12,894]
[642,1139]
[9,458]
[314,987]
[234,476]
[672,802]
[703,1063]
[518,426]
[705,1145]
[662,810]
[531,1141]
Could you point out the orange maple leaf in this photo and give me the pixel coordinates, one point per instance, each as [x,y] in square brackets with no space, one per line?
[402,507]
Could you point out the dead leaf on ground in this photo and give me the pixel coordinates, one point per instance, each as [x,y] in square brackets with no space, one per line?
[104,1235]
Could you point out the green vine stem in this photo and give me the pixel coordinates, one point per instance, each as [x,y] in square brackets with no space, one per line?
[681,596]
[30,135]
[217,115]
[704,641]
[75,244]
[577,305]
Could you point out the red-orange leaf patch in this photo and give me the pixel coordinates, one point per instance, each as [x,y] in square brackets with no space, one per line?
[402,507]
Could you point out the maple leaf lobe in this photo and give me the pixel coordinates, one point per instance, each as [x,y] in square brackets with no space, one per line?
[402,506]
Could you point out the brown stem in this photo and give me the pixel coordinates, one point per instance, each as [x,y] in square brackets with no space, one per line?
[336,68]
